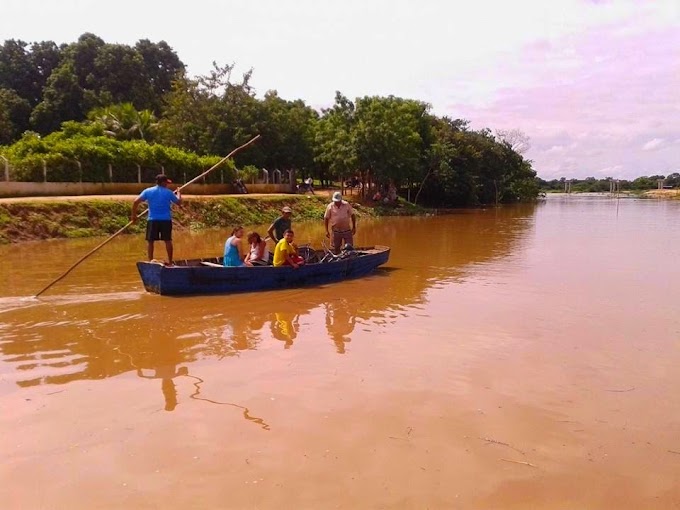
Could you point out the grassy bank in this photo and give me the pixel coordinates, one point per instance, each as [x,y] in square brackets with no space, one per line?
[673,194]
[49,218]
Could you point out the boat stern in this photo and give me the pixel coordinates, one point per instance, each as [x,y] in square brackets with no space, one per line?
[151,276]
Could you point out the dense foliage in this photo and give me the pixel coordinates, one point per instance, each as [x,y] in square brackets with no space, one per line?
[82,152]
[92,106]
[43,85]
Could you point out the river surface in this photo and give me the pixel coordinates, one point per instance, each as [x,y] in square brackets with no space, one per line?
[521,357]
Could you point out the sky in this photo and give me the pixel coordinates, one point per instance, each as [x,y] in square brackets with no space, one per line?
[594,84]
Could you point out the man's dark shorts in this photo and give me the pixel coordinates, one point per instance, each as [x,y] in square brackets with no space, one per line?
[159,230]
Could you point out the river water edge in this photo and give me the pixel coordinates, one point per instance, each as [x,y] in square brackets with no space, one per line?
[515,357]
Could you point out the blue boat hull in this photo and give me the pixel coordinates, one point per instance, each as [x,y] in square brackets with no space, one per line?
[192,277]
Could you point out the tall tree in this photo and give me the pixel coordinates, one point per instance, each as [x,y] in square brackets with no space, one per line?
[334,139]
[517,139]
[287,128]
[16,69]
[120,76]
[162,66]
[388,138]
[14,116]
[212,114]
[62,100]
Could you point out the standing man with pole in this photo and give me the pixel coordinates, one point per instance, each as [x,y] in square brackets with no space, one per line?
[159,225]
[338,215]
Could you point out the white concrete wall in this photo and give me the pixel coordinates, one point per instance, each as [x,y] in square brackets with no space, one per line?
[43,189]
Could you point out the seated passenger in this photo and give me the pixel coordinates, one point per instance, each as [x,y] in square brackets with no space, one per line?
[232,257]
[285,253]
[259,252]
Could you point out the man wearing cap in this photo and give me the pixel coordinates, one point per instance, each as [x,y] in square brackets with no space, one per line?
[338,216]
[280,225]
[159,225]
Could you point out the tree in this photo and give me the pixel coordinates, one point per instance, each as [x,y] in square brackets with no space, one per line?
[162,66]
[387,137]
[673,180]
[45,57]
[288,130]
[515,138]
[16,70]
[119,76]
[65,83]
[14,116]
[62,100]
[212,115]
[124,122]
[334,147]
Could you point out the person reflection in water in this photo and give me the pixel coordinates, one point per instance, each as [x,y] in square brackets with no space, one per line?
[340,323]
[166,374]
[285,327]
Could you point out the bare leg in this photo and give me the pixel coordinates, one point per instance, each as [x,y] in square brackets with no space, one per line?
[168,248]
[149,249]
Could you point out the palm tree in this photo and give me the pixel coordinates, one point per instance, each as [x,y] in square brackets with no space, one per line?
[124,122]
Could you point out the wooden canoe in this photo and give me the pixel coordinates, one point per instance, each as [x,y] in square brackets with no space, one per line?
[208,276]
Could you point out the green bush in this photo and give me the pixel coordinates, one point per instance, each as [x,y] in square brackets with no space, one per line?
[72,155]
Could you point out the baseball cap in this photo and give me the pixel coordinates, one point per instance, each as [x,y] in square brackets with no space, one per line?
[286,209]
[162,178]
[337,197]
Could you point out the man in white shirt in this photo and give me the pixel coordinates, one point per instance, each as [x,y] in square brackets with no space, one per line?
[338,216]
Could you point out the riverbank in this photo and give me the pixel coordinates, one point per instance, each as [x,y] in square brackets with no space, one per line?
[32,219]
[673,194]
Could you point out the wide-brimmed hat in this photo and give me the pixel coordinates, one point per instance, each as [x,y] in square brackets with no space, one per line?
[286,209]
[337,197]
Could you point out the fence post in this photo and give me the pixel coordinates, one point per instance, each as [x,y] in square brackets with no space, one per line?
[139,173]
[80,171]
[110,173]
[265,175]
[44,170]
[277,176]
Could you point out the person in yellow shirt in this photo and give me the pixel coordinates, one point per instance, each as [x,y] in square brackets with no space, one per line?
[285,253]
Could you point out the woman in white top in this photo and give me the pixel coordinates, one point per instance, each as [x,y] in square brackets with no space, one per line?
[259,252]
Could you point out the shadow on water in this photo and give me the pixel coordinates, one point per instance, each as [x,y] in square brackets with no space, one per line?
[100,335]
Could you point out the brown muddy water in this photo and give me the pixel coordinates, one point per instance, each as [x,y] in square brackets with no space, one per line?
[523,357]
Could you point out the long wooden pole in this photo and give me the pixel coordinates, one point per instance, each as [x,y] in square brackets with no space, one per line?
[121,230]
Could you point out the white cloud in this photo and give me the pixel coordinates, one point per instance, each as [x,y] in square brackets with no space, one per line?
[654,144]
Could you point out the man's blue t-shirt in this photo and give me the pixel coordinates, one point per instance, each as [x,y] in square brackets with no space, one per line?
[160,200]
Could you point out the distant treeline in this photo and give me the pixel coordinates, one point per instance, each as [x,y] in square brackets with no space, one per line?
[83,106]
[593,185]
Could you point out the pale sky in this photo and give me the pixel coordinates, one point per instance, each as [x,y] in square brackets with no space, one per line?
[595,84]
